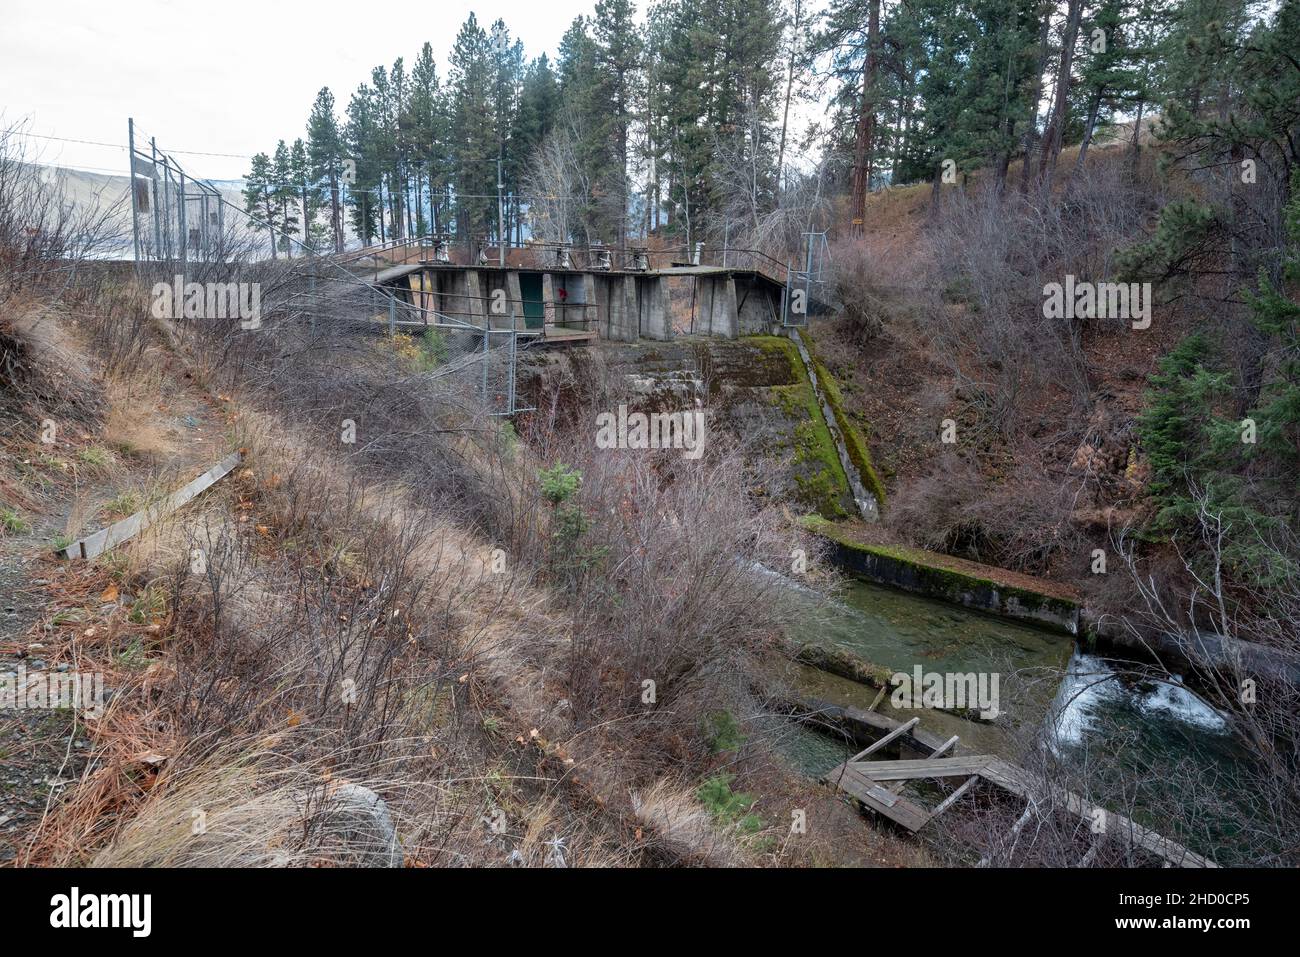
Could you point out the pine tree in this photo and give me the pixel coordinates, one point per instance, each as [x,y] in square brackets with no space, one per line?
[473,129]
[325,158]
[310,196]
[259,198]
[507,86]
[362,136]
[284,193]
[617,68]
[427,125]
[1231,445]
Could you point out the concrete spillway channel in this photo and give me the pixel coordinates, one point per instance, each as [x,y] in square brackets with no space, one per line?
[868,509]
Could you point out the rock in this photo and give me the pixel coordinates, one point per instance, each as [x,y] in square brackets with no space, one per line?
[357,818]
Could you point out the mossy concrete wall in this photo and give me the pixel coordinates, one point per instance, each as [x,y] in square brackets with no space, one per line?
[952,580]
[758,391]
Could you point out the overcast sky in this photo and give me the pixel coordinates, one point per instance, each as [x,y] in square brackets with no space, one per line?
[229,77]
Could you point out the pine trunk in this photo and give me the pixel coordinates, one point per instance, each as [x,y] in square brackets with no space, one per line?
[866,124]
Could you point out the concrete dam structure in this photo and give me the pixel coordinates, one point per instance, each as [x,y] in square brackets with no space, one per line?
[540,290]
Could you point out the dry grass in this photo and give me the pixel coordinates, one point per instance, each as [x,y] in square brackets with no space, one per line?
[134,428]
[246,806]
[683,827]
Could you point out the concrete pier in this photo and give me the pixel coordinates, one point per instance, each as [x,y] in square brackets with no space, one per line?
[619,305]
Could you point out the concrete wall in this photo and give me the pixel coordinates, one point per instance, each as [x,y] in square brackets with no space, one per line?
[622,308]
[456,293]
[909,572]
[616,307]
[652,304]
[726,316]
[759,306]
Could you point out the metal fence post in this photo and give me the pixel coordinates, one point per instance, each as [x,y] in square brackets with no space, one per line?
[135,220]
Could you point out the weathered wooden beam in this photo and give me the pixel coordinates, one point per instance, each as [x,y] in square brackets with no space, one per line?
[952,798]
[924,768]
[119,532]
[938,752]
[879,743]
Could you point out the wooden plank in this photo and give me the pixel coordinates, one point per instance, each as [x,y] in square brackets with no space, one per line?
[943,749]
[1015,831]
[879,743]
[952,798]
[936,753]
[119,532]
[856,777]
[923,768]
[1017,780]
[895,807]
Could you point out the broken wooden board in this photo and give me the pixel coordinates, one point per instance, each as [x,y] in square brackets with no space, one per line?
[924,768]
[119,532]
[1015,779]
[896,807]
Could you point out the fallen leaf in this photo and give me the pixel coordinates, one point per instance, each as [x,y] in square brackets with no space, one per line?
[295,718]
[109,593]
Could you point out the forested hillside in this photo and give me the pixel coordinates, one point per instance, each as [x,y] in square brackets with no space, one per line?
[513,558]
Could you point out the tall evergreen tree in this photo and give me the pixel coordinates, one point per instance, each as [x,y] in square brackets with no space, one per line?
[284,193]
[473,129]
[259,199]
[325,158]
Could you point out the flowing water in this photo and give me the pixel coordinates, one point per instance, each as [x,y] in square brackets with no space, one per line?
[1077,705]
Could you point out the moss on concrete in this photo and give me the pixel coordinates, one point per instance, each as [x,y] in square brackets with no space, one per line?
[783,348]
[859,452]
[955,579]
[856,443]
[844,663]
[819,476]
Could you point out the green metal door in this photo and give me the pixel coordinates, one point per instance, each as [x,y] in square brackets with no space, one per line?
[530,288]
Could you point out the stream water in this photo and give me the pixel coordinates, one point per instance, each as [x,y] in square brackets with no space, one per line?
[1151,734]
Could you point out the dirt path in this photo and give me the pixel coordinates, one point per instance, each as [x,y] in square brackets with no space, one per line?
[160,440]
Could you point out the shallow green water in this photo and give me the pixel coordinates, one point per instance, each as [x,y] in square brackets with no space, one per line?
[1053,697]
[900,630]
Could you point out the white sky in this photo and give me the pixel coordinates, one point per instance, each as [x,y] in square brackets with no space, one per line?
[229,77]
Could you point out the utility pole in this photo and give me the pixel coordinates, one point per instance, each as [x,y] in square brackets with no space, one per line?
[501,216]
